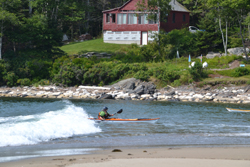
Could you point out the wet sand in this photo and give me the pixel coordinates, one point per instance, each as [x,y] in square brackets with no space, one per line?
[146,157]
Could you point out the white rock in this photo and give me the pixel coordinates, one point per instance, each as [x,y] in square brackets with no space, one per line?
[245,101]
[56,93]
[134,96]
[208,94]
[198,96]
[146,96]
[234,91]
[191,93]
[236,98]
[161,97]
[47,88]
[168,97]
[94,87]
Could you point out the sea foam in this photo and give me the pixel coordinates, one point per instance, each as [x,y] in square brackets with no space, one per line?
[32,129]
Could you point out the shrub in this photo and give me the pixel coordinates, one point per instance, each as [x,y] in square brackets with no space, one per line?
[176,83]
[69,75]
[197,71]
[142,75]
[185,77]
[44,82]
[166,75]
[108,72]
[24,82]
[248,82]
[240,71]
[10,79]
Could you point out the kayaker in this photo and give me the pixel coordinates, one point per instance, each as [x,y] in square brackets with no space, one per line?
[104,114]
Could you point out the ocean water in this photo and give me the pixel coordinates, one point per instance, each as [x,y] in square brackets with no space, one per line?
[46,127]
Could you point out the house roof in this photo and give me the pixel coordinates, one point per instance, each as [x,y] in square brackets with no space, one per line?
[118,7]
[175,6]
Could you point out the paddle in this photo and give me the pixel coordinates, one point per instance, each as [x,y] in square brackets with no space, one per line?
[118,112]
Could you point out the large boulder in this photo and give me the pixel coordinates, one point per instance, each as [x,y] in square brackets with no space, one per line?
[237,51]
[212,55]
[139,90]
[127,83]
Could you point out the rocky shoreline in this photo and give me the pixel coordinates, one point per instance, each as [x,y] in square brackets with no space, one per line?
[133,89]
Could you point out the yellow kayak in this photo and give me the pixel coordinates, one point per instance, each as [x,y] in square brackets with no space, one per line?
[237,110]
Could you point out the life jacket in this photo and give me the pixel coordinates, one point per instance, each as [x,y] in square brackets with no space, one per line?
[105,116]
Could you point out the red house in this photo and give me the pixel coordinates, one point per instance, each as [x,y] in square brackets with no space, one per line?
[121,25]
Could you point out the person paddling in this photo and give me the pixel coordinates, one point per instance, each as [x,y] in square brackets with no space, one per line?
[104,114]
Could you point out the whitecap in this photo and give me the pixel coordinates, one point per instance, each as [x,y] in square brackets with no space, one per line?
[32,129]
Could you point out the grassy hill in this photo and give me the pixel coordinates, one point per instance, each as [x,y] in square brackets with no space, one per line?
[95,45]
[218,68]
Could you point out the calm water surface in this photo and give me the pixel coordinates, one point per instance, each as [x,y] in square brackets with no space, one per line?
[45,127]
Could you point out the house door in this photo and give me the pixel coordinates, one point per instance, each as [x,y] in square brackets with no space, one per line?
[144,38]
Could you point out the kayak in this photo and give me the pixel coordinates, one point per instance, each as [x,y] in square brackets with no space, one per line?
[236,110]
[125,120]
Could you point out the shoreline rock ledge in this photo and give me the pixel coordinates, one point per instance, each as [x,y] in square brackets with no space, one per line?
[134,89]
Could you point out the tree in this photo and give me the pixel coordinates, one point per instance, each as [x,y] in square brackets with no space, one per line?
[221,11]
[240,9]
[7,16]
[208,39]
[247,22]
[154,9]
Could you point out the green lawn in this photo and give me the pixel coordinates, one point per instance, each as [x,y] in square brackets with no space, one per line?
[95,45]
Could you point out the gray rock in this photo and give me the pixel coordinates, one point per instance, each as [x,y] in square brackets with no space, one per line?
[149,88]
[130,85]
[212,55]
[127,98]
[139,90]
[106,96]
[174,100]
[170,93]
[246,88]
[127,83]
[237,51]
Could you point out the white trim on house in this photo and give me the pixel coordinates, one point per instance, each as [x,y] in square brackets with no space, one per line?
[126,37]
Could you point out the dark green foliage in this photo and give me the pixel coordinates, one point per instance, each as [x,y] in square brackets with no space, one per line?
[24,82]
[208,39]
[3,70]
[43,82]
[181,40]
[10,78]
[69,74]
[165,74]
[197,72]
[142,75]
[240,71]
[107,72]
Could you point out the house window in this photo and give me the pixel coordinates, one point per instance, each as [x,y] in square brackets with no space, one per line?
[113,17]
[153,20]
[132,19]
[143,19]
[184,17]
[150,21]
[173,17]
[107,18]
[121,18]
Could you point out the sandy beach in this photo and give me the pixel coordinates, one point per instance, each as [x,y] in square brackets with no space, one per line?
[146,157]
